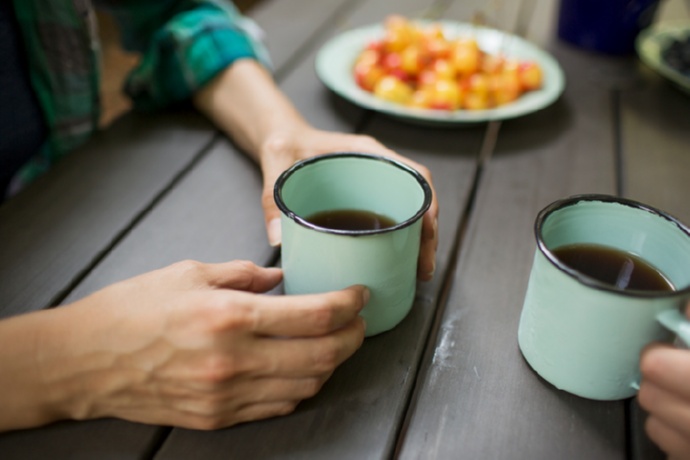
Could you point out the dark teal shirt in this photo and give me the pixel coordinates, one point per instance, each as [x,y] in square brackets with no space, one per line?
[22,127]
[183,45]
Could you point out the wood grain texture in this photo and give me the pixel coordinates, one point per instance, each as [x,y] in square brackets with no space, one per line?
[290,27]
[655,134]
[213,215]
[359,411]
[57,227]
[106,439]
[477,397]
[449,381]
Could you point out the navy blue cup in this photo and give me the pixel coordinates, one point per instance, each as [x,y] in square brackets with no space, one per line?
[606,26]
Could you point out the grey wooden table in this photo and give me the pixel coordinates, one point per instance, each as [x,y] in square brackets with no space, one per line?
[449,382]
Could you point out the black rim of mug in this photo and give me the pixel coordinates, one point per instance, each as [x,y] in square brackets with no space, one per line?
[277,193]
[587,280]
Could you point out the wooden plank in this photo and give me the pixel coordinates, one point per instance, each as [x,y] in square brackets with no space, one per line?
[655,133]
[654,138]
[139,151]
[290,26]
[69,440]
[213,215]
[162,145]
[359,411]
[54,229]
[186,225]
[477,397]
[655,118]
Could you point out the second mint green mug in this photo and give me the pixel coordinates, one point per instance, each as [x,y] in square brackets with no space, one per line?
[316,258]
[585,336]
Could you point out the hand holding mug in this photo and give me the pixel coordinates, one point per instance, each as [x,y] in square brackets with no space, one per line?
[385,200]
[192,345]
[583,331]
[665,395]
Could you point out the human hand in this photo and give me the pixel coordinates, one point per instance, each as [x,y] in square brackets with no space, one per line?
[665,395]
[245,102]
[194,345]
[281,150]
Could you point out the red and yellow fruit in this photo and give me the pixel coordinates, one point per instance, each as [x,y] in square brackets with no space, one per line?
[418,66]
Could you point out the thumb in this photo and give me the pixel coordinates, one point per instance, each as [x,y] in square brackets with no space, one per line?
[271,214]
[272,166]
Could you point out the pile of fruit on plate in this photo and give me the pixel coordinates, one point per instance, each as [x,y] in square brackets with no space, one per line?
[417,66]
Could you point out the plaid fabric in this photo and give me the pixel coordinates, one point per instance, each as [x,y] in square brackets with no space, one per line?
[183,45]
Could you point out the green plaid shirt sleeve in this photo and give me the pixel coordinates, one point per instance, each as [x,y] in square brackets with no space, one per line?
[197,40]
[183,44]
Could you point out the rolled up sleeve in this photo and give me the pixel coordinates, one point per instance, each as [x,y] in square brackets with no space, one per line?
[183,44]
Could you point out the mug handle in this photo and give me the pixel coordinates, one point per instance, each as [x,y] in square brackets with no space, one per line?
[676,322]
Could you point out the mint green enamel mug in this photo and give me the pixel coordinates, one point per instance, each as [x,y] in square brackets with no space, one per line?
[585,336]
[320,259]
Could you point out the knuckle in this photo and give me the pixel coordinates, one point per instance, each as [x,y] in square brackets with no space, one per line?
[286,408]
[245,273]
[267,199]
[188,268]
[653,429]
[649,365]
[323,318]
[326,357]
[312,387]
[210,423]
[237,318]
[277,143]
[245,265]
[227,314]
[218,368]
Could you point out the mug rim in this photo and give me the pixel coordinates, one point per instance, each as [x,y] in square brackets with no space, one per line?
[285,175]
[588,280]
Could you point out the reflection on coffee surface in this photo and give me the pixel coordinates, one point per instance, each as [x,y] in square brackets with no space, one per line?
[613,266]
[350,219]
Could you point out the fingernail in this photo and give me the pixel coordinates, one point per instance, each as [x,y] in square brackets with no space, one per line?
[433,270]
[430,235]
[366,295]
[274,235]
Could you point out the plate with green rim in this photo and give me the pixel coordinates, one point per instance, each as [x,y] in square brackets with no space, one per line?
[335,60]
[651,43]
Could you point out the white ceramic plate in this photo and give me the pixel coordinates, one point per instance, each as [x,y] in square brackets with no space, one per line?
[336,58]
[652,41]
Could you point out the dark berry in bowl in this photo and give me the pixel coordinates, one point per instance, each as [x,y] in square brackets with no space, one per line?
[677,54]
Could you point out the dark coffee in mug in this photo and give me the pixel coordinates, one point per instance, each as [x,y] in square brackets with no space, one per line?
[350,219]
[618,268]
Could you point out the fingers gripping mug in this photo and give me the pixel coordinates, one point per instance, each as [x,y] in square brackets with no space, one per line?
[353,218]
[583,332]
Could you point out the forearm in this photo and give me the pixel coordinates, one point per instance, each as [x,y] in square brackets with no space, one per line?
[54,365]
[29,393]
[245,102]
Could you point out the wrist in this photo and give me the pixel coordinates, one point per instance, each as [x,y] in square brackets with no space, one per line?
[32,390]
[245,102]
[284,141]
